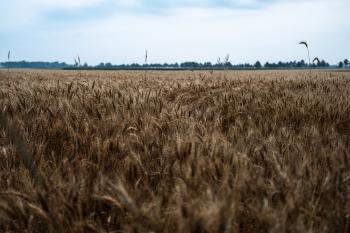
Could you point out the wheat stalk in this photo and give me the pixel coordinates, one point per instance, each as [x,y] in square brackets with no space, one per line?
[77,64]
[308,53]
[22,150]
[226,61]
[307,47]
[8,63]
[218,61]
[316,60]
[146,57]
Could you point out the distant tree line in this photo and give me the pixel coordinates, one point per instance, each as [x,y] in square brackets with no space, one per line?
[34,65]
[209,65]
[295,64]
[184,65]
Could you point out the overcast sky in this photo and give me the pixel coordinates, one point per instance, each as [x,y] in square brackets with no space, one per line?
[119,31]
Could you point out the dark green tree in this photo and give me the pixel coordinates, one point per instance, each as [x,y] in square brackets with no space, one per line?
[257,65]
[346,62]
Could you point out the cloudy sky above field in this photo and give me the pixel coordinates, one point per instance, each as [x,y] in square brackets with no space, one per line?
[119,31]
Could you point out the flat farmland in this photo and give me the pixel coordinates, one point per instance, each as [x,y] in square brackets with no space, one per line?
[174,151]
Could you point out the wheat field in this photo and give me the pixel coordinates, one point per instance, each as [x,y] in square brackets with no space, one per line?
[182,151]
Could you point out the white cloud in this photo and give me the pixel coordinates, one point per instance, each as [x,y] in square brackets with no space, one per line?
[57,3]
[20,14]
[82,3]
[192,33]
[203,34]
